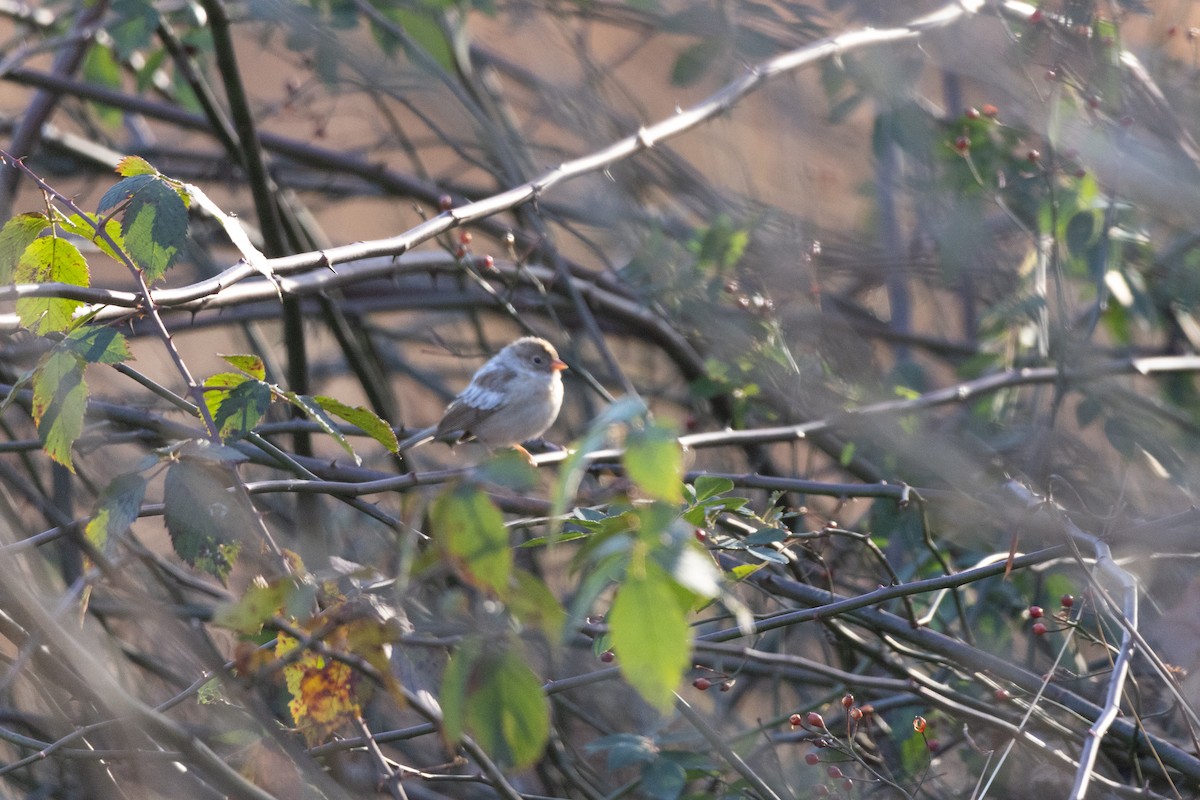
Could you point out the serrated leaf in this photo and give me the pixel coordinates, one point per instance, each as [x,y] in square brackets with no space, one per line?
[364,419]
[241,408]
[97,345]
[249,364]
[155,227]
[83,228]
[50,259]
[492,694]
[650,634]
[129,166]
[316,414]
[653,459]
[471,528]
[59,403]
[16,235]
[123,191]
[322,690]
[205,518]
[116,510]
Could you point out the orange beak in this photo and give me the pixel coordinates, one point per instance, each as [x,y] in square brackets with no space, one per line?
[558,365]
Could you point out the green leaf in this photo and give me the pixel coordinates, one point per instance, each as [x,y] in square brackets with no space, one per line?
[575,465]
[241,408]
[472,530]
[765,536]
[206,518]
[1083,230]
[259,604]
[532,602]
[707,486]
[316,414]
[650,633]
[83,227]
[129,166]
[693,62]
[663,780]
[492,694]
[16,235]
[59,402]
[97,345]
[1089,408]
[654,461]
[48,260]
[100,67]
[155,227]
[116,510]
[251,365]
[624,750]
[364,419]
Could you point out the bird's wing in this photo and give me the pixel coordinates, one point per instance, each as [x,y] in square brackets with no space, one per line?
[476,402]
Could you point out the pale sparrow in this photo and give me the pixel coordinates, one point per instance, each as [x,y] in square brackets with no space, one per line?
[513,398]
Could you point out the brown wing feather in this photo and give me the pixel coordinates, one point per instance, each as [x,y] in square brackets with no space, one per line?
[458,420]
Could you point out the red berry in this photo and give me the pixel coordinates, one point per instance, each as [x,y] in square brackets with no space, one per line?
[703,684]
[1067,601]
[815,720]
[847,785]
[962,144]
[489,264]
[835,772]
[795,720]
[847,700]
[1051,75]
[1036,612]
[856,714]
[607,656]
[989,111]
[972,113]
[919,724]
[1036,17]
[465,237]
[812,759]
[461,252]
[1034,156]
[727,685]
[1003,695]
[445,202]
[1039,629]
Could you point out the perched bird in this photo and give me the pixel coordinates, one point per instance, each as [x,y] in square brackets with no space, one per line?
[513,398]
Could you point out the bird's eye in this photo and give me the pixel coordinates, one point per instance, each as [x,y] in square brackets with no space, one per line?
[538,360]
